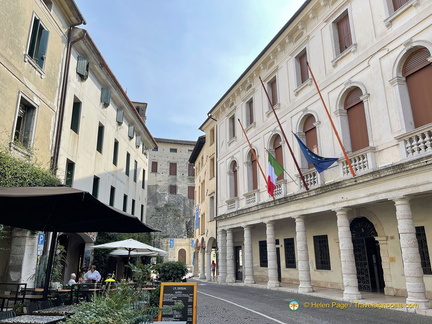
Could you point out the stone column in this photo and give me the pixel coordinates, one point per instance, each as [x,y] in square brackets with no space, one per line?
[410,255]
[248,268]
[202,263]
[349,270]
[222,256]
[305,285]
[271,257]
[207,265]
[230,277]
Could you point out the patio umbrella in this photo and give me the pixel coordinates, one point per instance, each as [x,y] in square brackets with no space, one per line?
[132,253]
[62,209]
[131,245]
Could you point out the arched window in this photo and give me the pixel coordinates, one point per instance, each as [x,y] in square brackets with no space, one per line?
[277,147]
[417,71]
[252,171]
[233,180]
[356,120]
[310,132]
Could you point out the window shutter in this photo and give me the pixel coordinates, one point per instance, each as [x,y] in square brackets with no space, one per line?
[131,131]
[105,96]
[42,50]
[138,141]
[33,39]
[120,115]
[344,33]
[82,67]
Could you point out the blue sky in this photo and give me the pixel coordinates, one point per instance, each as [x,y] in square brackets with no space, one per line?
[181,56]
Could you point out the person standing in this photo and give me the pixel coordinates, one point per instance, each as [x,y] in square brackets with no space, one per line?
[213,269]
[92,275]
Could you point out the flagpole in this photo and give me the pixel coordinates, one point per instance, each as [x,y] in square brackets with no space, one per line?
[286,140]
[331,121]
[253,152]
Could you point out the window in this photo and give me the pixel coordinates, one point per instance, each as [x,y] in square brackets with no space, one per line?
[423,249]
[290,260]
[133,207]
[233,180]
[249,112]
[125,198]
[173,169]
[302,69]
[38,43]
[398,3]
[212,168]
[142,213]
[417,71]
[212,207]
[135,175]
[70,171]
[191,192]
[154,167]
[173,189]
[272,91]
[127,167]
[115,152]
[356,120]
[76,115]
[48,4]
[231,128]
[143,179]
[105,96]
[322,255]
[344,39]
[191,170]
[25,123]
[100,138]
[252,172]
[112,196]
[202,193]
[278,154]
[82,68]
[263,254]
[95,189]
[173,150]
[212,136]
[309,129]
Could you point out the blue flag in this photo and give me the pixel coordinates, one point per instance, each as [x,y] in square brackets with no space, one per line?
[320,163]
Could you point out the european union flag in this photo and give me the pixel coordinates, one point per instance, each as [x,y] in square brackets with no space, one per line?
[320,163]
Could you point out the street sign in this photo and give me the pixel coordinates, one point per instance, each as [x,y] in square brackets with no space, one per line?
[40,246]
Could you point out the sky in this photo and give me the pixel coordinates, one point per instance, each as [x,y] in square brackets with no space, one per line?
[181,56]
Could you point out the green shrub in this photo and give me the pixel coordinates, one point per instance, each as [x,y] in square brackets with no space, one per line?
[172,271]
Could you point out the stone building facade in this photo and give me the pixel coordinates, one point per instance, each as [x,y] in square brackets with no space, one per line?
[33,50]
[170,189]
[104,142]
[204,159]
[365,230]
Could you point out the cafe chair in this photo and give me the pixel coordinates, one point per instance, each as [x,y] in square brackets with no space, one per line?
[42,304]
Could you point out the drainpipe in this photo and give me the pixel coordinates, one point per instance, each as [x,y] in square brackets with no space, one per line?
[57,140]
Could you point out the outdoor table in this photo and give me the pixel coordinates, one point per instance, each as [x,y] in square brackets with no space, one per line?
[33,319]
[64,310]
[13,297]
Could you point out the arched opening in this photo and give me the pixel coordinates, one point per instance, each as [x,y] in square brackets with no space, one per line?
[233,180]
[309,129]
[278,154]
[252,171]
[417,71]
[354,107]
[367,255]
[182,255]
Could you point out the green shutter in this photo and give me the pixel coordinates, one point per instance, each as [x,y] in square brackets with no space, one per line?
[33,39]
[120,115]
[42,48]
[131,131]
[82,67]
[105,96]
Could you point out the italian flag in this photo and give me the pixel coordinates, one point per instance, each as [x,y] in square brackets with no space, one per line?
[274,171]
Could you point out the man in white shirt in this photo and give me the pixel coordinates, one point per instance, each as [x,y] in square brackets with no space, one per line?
[92,275]
[72,279]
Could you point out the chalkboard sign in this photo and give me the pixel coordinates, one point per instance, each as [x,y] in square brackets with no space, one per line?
[172,292]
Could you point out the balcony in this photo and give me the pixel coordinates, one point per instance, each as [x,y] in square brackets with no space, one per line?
[232,204]
[251,198]
[417,143]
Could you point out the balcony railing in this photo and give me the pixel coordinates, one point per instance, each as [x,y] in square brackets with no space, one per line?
[232,204]
[359,163]
[251,198]
[311,179]
[417,143]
